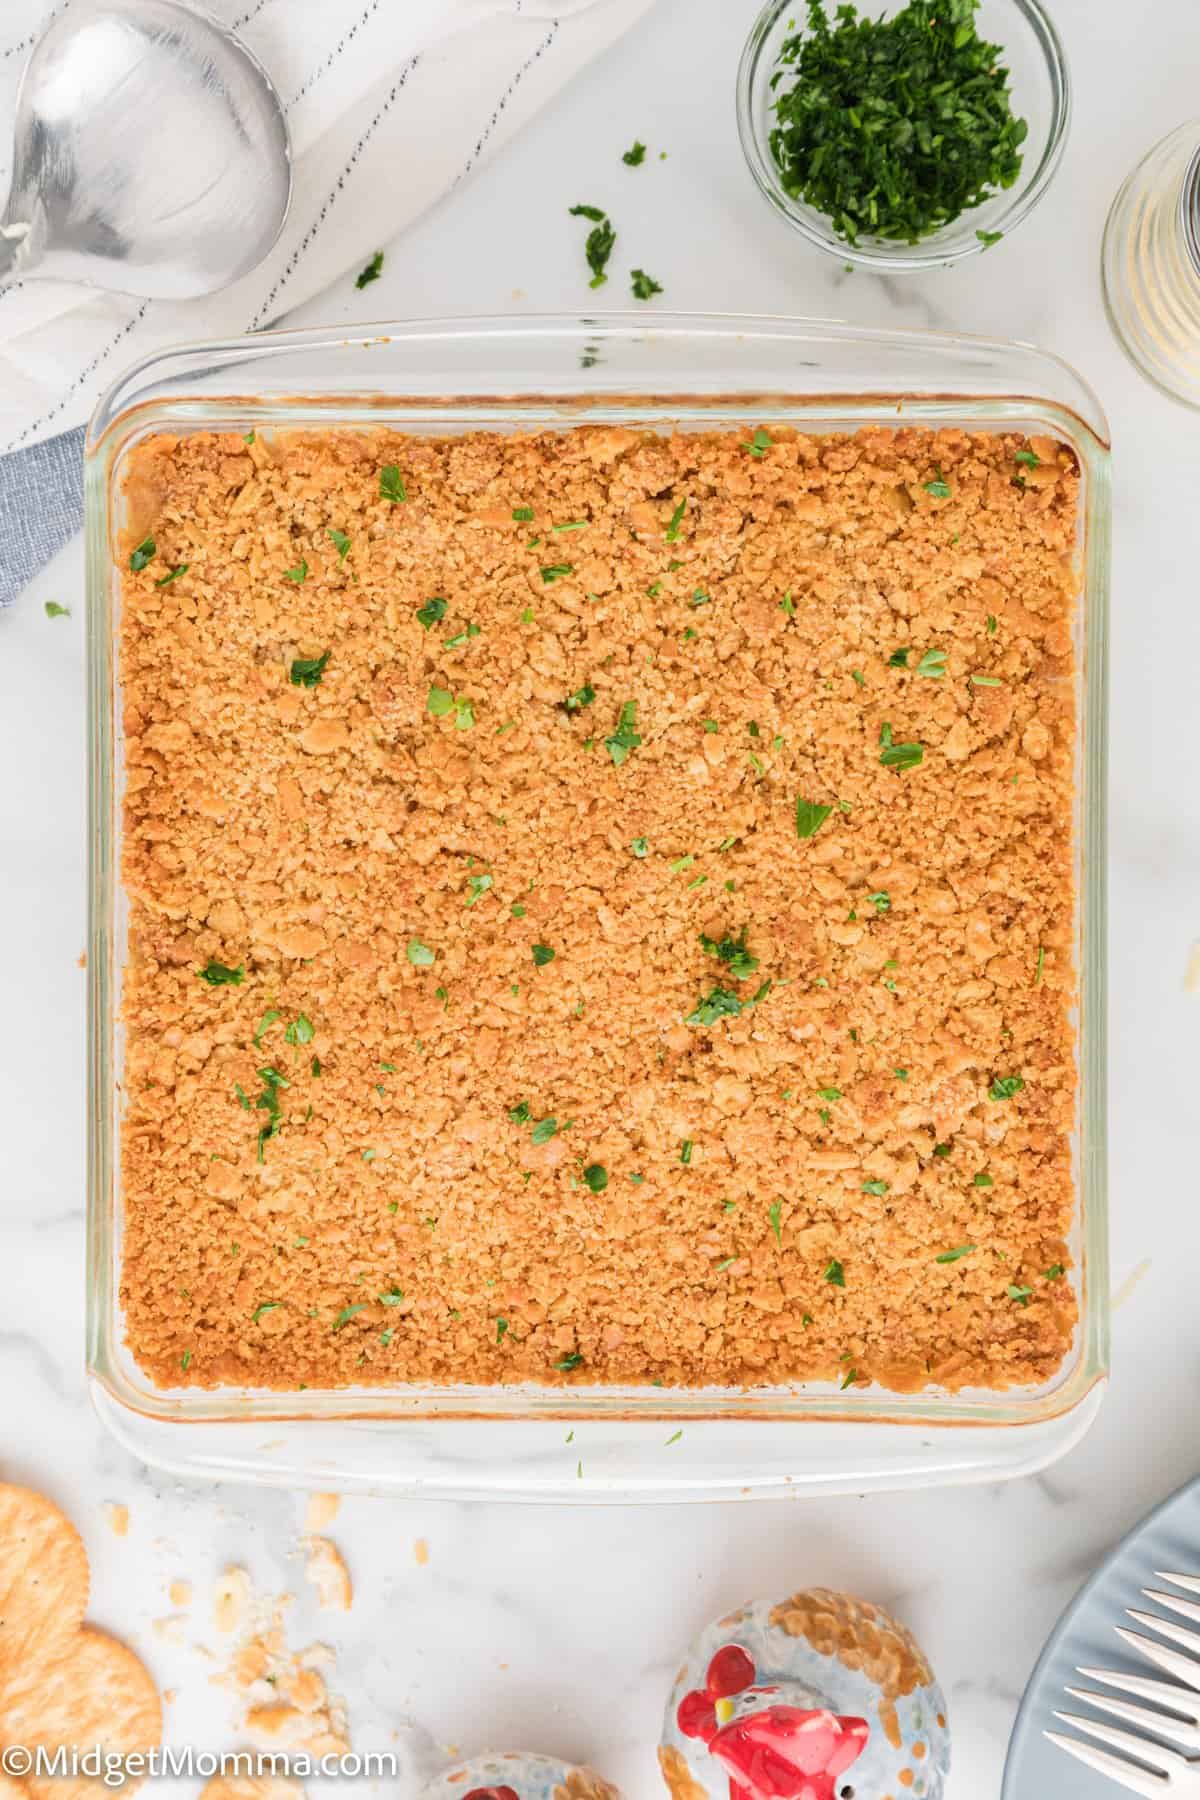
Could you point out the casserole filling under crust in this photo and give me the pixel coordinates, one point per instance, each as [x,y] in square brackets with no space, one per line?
[601,907]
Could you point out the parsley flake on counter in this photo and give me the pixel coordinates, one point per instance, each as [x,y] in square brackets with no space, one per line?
[432,611]
[643,286]
[306,671]
[477,886]
[624,738]
[372,272]
[759,444]
[173,575]
[773,1216]
[596,1177]
[933,664]
[635,156]
[1005,1086]
[220,975]
[988,238]
[55,611]
[391,484]
[143,554]
[420,955]
[543,1131]
[600,241]
[552,572]
[810,817]
[834,1273]
[298,574]
[542,954]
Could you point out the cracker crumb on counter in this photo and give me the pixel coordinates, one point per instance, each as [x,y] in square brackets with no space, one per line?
[601,907]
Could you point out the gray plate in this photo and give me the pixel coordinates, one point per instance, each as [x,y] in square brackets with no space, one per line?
[1169,1538]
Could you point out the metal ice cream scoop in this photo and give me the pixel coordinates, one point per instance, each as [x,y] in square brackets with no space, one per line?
[151,154]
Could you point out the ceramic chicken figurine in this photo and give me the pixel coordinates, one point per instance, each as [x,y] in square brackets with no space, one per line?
[518,1775]
[818,1697]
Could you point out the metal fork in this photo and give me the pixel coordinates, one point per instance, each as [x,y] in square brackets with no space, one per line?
[1174,1712]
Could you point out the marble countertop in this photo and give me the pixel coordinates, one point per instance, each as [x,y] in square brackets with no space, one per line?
[558,1628]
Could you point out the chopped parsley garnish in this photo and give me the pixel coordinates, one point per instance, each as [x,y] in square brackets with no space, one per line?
[420,955]
[1005,1086]
[672,532]
[243,1097]
[266,1307]
[1020,1294]
[991,624]
[640,847]
[1054,1271]
[542,954]
[685,1151]
[347,1313]
[939,488]
[875,1187]
[673,1439]
[432,611]
[1041,963]
[881,901]
[699,598]
[899,658]
[933,664]
[858,677]
[391,486]
[300,1031]
[951,1256]
[788,605]
[220,975]
[900,1074]
[543,1131]
[942,1149]
[173,575]
[523,514]
[519,1114]
[55,611]
[731,950]
[600,241]
[268,1019]
[850,1378]
[306,671]
[185,1361]
[720,1004]
[552,572]
[985,681]
[477,886]
[501,1328]
[810,817]
[299,573]
[341,543]
[624,738]
[983,1179]
[773,1216]
[461,637]
[1030,458]
[829,1093]
[581,697]
[898,756]
[596,1177]
[644,286]
[571,525]
[567,1363]
[834,1273]
[759,444]
[372,272]
[392,1298]
[314,1067]
[143,554]
[635,155]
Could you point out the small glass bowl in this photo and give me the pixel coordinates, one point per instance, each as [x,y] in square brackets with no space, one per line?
[1041,94]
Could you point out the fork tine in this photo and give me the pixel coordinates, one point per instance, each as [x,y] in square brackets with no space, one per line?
[1158,1723]
[1138,1781]
[1182,1667]
[1176,1634]
[1155,1754]
[1163,1693]
[1187,1609]
[1190,1582]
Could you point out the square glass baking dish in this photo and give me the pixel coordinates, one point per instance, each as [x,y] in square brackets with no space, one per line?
[640,1443]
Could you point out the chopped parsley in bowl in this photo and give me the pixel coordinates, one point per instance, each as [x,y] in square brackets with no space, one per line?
[907,137]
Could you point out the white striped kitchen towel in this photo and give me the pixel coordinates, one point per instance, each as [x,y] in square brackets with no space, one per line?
[428,87]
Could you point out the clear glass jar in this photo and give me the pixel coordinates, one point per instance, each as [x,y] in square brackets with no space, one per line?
[1151,264]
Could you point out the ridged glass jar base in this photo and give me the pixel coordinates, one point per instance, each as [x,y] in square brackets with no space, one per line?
[1150,267]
